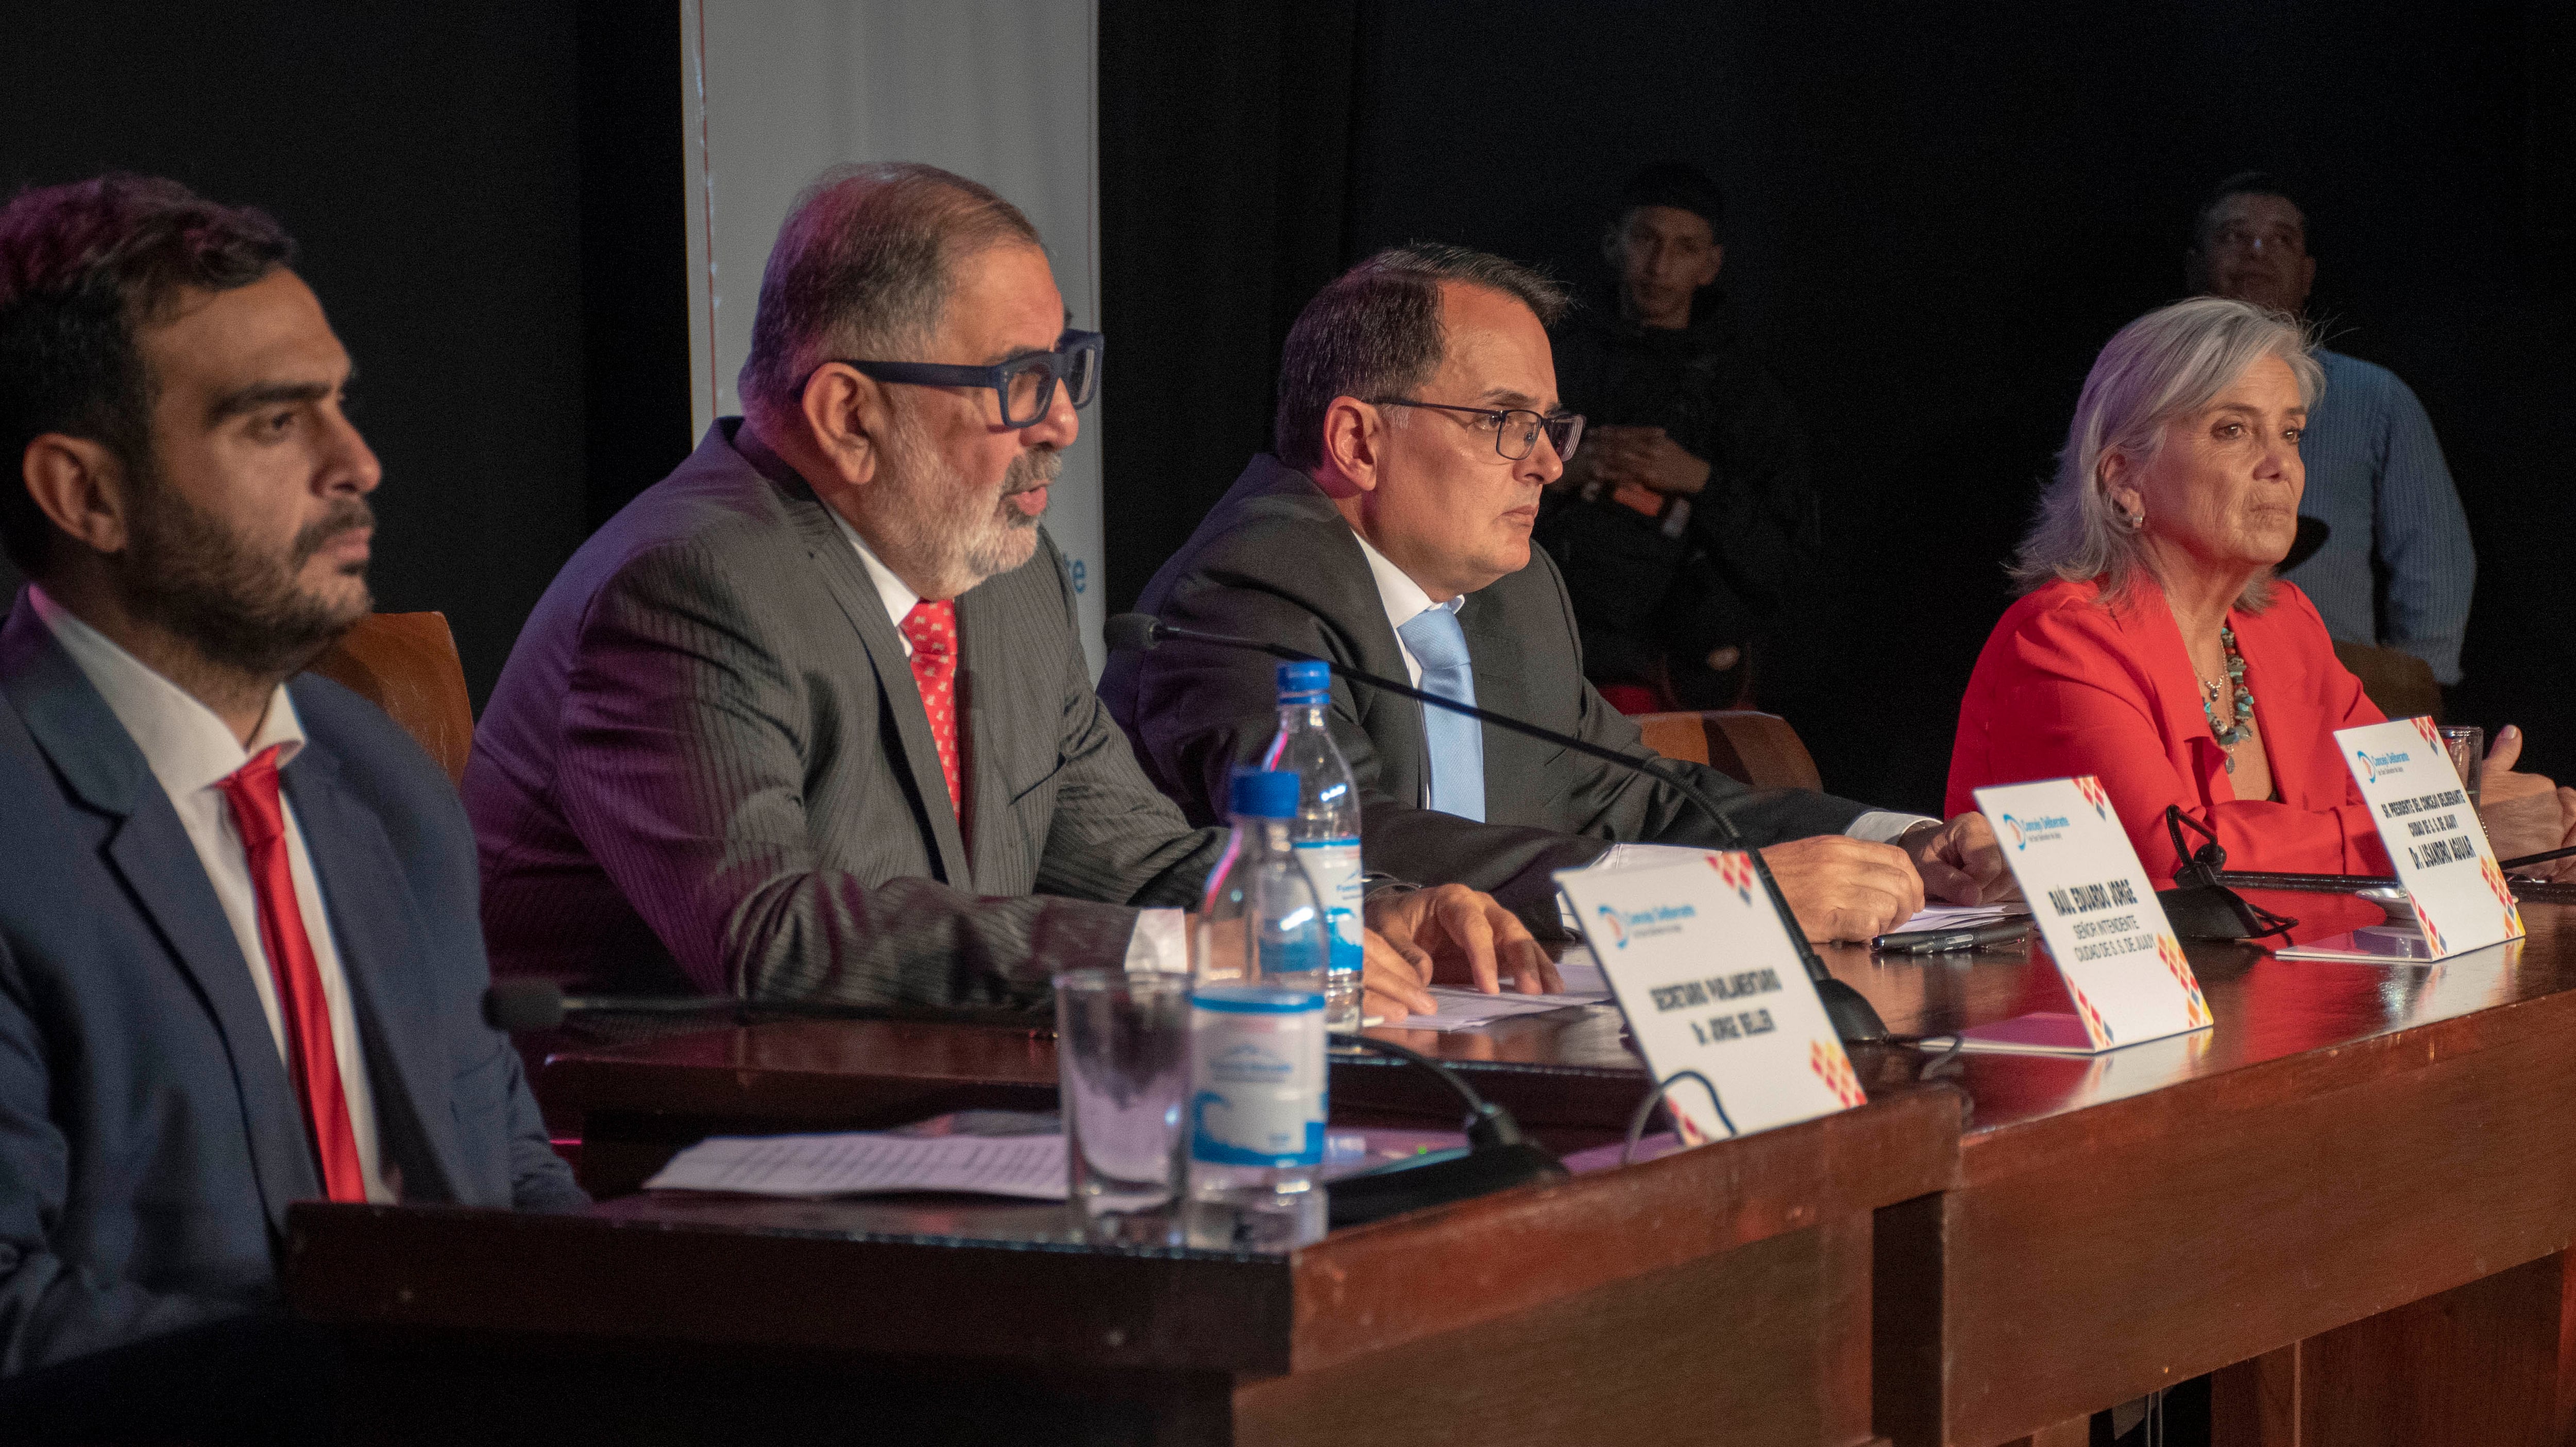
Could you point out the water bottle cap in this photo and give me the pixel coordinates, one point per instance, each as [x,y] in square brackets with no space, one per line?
[1264,794]
[1304,678]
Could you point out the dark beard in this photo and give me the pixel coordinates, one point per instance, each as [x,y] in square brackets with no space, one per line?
[184,572]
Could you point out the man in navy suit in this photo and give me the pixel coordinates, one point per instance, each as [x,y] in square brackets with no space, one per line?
[240,957]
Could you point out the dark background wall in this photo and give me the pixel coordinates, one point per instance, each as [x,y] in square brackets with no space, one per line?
[488,197]
[1938,217]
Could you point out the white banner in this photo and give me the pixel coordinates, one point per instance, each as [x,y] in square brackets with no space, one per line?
[777,91]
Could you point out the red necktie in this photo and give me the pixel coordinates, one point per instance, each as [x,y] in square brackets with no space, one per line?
[310,1058]
[931,629]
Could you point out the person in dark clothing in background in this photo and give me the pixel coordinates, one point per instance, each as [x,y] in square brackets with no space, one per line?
[1687,515]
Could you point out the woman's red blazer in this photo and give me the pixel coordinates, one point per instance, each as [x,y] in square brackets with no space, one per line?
[2069,686]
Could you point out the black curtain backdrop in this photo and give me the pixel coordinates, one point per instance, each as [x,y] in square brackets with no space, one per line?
[489,200]
[1937,219]
[1225,165]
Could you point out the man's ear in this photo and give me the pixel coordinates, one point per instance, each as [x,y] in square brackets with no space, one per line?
[1354,446]
[846,419]
[1611,251]
[1708,271]
[79,484]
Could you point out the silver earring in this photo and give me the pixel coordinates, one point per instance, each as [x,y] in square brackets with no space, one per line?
[2135,522]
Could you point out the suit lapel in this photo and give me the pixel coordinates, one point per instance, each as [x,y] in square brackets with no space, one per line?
[846,578]
[987,687]
[380,941]
[149,851]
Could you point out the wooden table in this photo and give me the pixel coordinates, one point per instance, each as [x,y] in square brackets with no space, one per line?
[2350,1200]
[1568,1077]
[2354,1196]
[1714,1294]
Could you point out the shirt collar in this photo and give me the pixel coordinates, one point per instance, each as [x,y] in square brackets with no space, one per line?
[1402,597]
[186,745]
[894,592]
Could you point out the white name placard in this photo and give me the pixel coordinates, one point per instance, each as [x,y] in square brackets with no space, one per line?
[2099,916]
[1710,981]
[2462,901]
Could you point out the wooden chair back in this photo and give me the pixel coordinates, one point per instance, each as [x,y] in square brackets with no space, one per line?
[2400,683]
[406,664]
[1759,749]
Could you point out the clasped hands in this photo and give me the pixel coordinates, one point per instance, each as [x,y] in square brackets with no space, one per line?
[1641,465]
[1842,888]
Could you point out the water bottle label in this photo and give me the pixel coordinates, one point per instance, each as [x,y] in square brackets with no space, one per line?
[1257,1083]
[1333,867]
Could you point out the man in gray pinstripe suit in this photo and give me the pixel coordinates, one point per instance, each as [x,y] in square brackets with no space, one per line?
[809,719]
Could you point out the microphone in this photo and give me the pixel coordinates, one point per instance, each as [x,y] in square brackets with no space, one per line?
[1854,1018]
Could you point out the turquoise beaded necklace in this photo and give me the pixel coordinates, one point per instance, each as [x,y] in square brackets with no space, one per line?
[2243,728]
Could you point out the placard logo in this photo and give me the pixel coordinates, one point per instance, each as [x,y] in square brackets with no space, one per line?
[2037,830]
[2376,764]
[1627,924]
[1618,931]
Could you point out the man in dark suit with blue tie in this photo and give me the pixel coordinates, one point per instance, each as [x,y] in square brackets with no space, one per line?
[1418,425]
[240,953]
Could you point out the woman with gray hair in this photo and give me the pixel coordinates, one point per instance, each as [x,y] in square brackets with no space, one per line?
[2152,646]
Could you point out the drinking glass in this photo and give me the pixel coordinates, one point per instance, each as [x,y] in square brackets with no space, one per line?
[1122,1068]
[2467,746]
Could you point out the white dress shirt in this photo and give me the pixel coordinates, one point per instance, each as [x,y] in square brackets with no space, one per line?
[1160,940]
[1404,599]
[191,752]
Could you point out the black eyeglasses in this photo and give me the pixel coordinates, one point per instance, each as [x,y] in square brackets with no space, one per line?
[1515,429]
[1026,385]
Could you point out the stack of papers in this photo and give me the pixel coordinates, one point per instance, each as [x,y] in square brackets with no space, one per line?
[1580,985]
[1031,1167]
[1962,916]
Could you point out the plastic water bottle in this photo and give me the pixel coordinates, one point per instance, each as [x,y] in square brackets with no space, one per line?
[1257,1082]
[1326,834]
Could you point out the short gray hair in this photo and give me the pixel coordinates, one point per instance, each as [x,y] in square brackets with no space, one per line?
[863,267]
[1376,331]
[2170,363]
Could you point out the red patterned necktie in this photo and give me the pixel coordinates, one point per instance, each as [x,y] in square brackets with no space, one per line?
[931,629]
[310,1058]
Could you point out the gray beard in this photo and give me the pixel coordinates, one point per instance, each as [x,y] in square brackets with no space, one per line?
[954,534]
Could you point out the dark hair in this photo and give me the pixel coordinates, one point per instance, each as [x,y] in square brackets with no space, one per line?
[84,268]
[2243,183]
[1677,184]
[1376,331]
[863,266]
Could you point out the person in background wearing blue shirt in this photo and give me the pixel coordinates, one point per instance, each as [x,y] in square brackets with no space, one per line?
[2396,570]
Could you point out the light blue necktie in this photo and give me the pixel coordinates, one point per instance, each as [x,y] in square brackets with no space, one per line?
[1457,742]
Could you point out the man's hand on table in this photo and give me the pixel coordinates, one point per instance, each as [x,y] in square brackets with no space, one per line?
[1960,862]
[1457,935]
[1391,987]
[1842,888]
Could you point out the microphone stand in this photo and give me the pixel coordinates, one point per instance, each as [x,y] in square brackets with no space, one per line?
[1854,1018]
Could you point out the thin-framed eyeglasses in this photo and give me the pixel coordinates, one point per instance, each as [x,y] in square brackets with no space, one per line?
[1025,385]
[1516,429]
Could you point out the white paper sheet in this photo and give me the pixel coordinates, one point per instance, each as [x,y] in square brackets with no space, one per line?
[1031,1167]
[1476,1010]
[1962,916]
